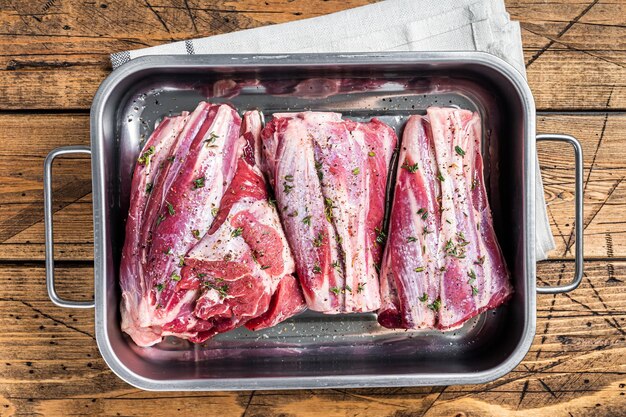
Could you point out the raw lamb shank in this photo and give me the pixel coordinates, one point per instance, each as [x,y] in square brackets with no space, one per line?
[442,264]
[199,208]
[329,176]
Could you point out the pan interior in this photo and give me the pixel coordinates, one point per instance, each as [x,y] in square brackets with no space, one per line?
[312,344]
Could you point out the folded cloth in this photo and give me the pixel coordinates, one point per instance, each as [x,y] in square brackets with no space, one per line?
[392,25]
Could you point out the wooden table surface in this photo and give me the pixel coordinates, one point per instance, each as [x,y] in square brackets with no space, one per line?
[54,55]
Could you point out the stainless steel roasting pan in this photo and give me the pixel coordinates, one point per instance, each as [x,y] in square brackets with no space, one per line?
[314,350]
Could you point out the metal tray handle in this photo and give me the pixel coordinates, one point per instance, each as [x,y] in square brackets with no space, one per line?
[578,226]
[47,206]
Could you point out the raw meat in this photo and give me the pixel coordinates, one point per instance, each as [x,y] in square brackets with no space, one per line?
[443,264]
[287,301]
[329,176]
[173,209]
[412,243]
[321,87]
[136,307]
[197,199]
[243,265]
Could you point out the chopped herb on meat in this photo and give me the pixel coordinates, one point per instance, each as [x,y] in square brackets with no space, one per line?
[328,208]
[472,276]
[319,240]
[198,183]
[144,159]
[435,305]
[170,209]
[381,236]
[411,168]
[210,141]
[222,290]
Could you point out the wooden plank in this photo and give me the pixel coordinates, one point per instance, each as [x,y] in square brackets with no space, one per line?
[55,56]
[603,138]
[21,198]
[68,43]
[570,80]
[73,234]
[576,24]
[575,52]
[51,365]
[26,140]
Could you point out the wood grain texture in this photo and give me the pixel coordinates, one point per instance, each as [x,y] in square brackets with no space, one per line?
[57,53]
[50,363]
[603,137]
[53,56]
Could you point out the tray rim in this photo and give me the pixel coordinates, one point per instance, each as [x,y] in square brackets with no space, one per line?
[173,62]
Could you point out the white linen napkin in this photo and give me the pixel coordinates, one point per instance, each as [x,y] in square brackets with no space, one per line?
[392,25]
